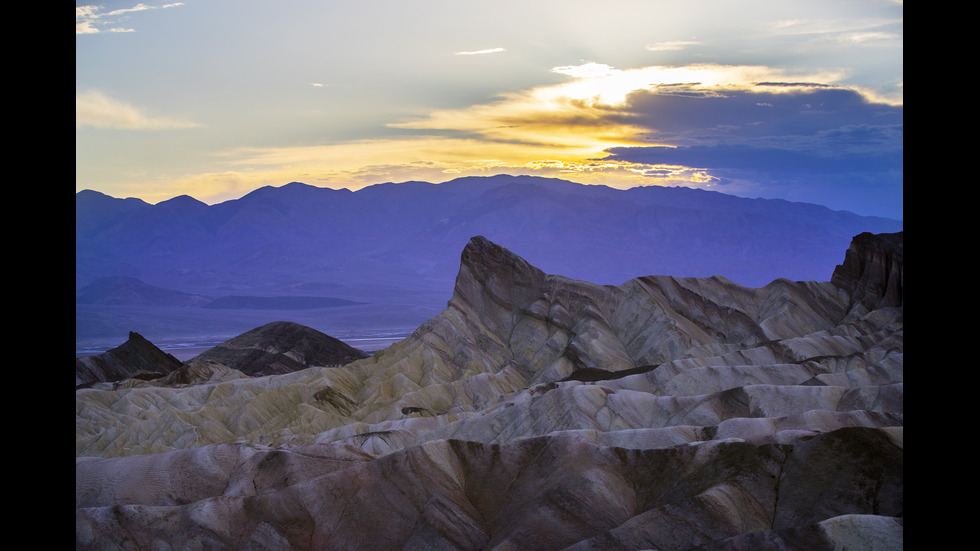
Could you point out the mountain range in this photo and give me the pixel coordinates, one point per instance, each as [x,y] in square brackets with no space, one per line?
[380,258]
[535,412]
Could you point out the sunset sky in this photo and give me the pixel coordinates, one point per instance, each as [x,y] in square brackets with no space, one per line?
[797,100]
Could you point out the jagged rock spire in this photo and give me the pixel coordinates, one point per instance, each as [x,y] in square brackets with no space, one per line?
[873,270]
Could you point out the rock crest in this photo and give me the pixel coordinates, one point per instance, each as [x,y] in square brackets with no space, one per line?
[137,357]
[873,271]
[280,347]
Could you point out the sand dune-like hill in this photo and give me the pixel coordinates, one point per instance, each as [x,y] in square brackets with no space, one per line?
[537,412]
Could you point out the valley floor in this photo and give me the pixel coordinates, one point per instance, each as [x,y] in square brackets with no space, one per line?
[184,349]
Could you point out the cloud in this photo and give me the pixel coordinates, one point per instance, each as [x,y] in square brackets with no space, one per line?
[769,160]
[809,142]
[686,114]
[748,128]
[841,34]
[95,109]
[871,36]
[671,45]
[586,70]
[751,128]
[711,122]
[90,19]
[481,52]
[431,158]
[601,106]
[850,167]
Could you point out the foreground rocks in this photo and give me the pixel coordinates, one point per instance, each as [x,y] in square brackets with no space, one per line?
[554,492]
[537,412]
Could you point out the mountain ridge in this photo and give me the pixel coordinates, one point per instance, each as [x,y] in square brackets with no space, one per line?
[438,200]
[743,418]
[388,245]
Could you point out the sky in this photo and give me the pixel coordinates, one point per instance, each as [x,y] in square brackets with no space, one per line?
[780,99]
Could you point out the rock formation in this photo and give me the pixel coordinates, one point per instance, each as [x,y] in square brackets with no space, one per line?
[872,270]
[537,412]
[137,357]
[274,348]
[280,347]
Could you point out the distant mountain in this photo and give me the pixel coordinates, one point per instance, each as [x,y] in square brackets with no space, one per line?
[137,357]
[280,347]
[402,232]
[129,291]
[119,290]
[276,303]
[390,245]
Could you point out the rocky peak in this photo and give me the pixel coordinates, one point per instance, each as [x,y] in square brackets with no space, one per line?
[872,271]
[135,357]
[280,347]
[487,261]
[490,273]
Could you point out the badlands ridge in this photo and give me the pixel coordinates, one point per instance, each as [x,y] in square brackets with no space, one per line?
[535,412]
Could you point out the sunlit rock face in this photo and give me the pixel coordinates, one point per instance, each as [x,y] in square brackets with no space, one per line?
[537,412]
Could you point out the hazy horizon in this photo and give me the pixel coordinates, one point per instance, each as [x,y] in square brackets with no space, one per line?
[218,201]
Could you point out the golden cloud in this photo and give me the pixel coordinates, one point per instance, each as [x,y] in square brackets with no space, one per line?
[554,130]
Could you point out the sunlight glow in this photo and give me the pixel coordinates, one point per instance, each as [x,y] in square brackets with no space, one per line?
[606,85]
[553,130]
[584,101]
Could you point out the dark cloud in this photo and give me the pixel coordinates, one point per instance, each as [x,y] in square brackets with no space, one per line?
[817,143]
[693,113]
[817,130]
[816,160]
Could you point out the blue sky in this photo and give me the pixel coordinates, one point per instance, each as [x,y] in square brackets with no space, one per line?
[798,100]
